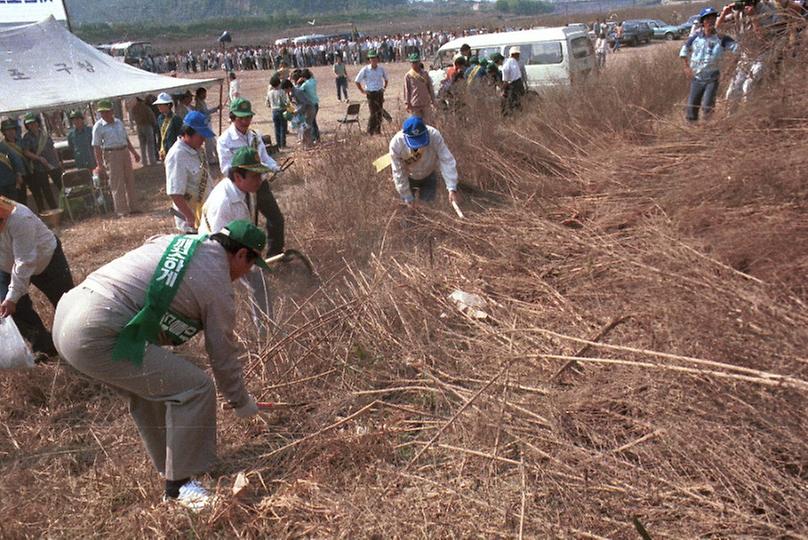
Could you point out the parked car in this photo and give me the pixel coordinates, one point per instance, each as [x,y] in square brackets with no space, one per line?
[663,30]
[634,33]
[688,25]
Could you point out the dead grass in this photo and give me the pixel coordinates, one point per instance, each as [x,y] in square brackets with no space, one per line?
[643,355]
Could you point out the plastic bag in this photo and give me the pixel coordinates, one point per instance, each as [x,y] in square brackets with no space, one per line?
[14,352]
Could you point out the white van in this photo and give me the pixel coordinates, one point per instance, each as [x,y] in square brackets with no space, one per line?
[552,56]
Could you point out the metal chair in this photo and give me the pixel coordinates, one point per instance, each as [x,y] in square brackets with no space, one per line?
[351,117]
[77,184]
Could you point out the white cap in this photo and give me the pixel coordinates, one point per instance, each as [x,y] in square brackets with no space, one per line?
[163,99]
[516,50]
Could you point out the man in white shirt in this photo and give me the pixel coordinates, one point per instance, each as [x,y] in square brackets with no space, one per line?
[234,88]
[417,152]
[112,148]
[29,253]
[231,200]
[188,181]
[372,81]
[239,135]
[513,82]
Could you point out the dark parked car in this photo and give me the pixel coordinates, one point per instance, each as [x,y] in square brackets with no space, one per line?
[688,25]
[634,33]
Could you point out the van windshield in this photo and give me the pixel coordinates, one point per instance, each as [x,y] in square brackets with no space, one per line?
[581,47]
[533,54]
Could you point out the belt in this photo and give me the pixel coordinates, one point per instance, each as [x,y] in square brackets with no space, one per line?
[114,149]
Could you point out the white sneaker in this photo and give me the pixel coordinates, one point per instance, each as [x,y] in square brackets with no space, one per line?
[194,497]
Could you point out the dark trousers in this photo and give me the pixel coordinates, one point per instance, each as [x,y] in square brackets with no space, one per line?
[268,206]
[281,128]
[342,87]
[56,177]
[702,94]
[426,187]
[54,281]
[38,183]
[315,129]
[376,106]
[513,97]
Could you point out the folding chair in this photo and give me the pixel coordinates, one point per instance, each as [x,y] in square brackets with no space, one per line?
[351,118]
[77,184]
[66,157]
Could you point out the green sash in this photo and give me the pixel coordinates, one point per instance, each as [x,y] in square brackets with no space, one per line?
[154,323]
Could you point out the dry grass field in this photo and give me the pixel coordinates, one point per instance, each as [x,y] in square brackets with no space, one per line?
[642,362]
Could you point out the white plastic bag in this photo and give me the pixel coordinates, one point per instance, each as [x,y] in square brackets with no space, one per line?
[14,352]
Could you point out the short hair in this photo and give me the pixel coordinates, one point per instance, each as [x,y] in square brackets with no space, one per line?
[232,75]
[286,84]
[274,81]
[231,246]
[201,90]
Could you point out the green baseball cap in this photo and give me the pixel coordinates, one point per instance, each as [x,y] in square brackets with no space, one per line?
[29,118]
[247,158]
[372,53]
[8,123]
[496,57]
[104,105]
[241,108]
[414,57]
[75,114]
[249,236]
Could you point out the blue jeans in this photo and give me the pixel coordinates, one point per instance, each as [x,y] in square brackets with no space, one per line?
[427,187]
[281,127]
[315,129]
[702,94]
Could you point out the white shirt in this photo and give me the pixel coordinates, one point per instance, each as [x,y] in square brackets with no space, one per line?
[372,79]
[235,89]
[224,204]
[185,168]
[26,249]
[232,139]
[511,71]
[110,134]
[435,154]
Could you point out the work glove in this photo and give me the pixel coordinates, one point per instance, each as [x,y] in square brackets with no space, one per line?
[247,410]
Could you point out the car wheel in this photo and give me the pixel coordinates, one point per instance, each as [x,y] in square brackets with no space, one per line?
[635,41]
[669,36]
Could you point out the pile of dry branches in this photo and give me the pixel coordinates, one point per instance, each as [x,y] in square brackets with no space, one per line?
[641,363]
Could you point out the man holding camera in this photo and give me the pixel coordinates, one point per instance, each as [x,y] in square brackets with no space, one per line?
[701,54]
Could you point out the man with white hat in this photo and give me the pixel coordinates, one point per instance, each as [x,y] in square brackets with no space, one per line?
[112,147]
[188,181]
[513,82]
[168,123]
[29,253]
[416,154]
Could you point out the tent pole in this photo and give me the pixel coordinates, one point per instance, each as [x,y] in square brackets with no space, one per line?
[92,112]
[221,85]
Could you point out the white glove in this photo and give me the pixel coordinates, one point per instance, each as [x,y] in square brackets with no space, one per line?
[247,410]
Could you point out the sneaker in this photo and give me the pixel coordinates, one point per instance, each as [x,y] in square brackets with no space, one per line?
[194,497]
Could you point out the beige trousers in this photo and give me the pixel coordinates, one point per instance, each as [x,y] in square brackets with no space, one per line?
[424,113]
[121,180]
[172,401]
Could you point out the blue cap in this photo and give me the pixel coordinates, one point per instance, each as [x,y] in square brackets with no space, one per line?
[706,12]
[415,133]
[199,123]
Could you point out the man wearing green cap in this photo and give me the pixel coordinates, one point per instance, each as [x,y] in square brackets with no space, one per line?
[80,142]
[13,167]
[115,326]
[419,96]
[239,135]
[44,163]
[231,200]
[112,148]
[372,81]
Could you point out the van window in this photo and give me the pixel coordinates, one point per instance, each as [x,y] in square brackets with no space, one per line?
[581,47]
[486,53]
[540,53]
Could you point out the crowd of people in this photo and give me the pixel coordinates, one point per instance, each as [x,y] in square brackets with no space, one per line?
[116,324]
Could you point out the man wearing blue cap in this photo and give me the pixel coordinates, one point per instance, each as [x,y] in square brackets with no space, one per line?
[188,180]
[701,54]
[416,152]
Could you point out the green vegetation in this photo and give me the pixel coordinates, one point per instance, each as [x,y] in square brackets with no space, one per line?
[524,7]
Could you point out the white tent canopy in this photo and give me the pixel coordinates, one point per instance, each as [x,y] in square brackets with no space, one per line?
[47,67]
